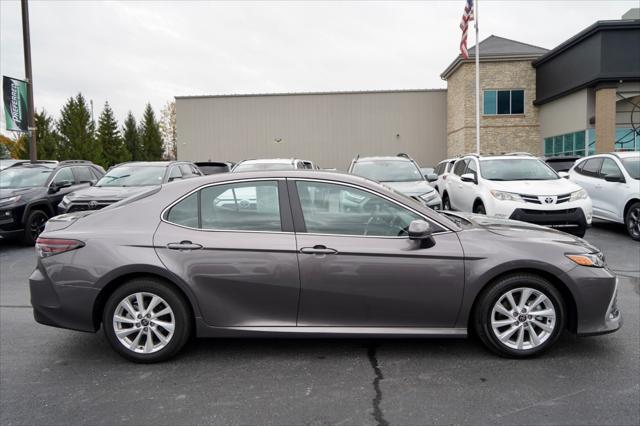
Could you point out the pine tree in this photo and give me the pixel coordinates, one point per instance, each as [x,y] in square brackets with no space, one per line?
[77,132]
[4,152]
[131,138]
[47,139]
[20,147]
[108,136]
[150,135]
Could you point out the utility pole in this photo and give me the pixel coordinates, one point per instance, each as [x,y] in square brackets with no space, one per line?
[26,42]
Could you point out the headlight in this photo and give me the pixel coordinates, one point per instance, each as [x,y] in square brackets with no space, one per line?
[9,200]
[505,196]
[579,195]
[595,260]
[429,196]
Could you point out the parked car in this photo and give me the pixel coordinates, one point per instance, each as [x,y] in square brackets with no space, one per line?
[126,180]
[520,187]
[442,170]
[213,167]
[30,193]
[613,183]
[274,164]
[175,261]
[561,164]
[400,173]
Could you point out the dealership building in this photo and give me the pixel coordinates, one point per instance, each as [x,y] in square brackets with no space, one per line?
[580,97]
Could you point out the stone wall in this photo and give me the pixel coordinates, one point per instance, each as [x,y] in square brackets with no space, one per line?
[499,133]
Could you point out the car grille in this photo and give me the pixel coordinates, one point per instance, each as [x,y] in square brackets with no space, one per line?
[549,212]
[84,206]
[535,199]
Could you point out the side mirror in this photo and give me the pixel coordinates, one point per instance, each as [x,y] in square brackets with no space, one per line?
[564,175]
[55,187]
[420,231]
[619,179]
[431,177]
[468,177]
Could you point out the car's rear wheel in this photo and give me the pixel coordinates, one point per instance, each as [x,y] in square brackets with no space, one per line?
[33,227]
[519,316]
[446,203]
[146,321]
[632,221]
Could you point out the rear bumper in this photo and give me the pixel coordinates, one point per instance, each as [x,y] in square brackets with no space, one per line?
[568,220]
[63,306]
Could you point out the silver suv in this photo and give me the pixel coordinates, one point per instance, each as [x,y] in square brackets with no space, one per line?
[400,173]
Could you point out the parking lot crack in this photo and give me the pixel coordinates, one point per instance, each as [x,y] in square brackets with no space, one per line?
[377,399]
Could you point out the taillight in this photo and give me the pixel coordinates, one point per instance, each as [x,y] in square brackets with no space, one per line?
[46,247]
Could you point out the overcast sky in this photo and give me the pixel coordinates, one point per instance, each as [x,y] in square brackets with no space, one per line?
[132,52]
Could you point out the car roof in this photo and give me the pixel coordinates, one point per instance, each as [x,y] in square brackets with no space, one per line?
[270,161]
[627,154]
[507,157]
[148,163]
[383,158]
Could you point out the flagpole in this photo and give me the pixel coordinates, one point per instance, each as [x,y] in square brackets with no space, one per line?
[477,52]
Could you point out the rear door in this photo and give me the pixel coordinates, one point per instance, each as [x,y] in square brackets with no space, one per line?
[234,246]
[454,185]
[359,269]
[588,177]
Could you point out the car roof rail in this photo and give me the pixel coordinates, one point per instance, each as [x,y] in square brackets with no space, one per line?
[403,155]
[74,162]
[528,154]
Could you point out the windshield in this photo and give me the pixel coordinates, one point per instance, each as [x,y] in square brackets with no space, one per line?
[516,169]
[387,171]
[250,167]
[133,176]
[22,177]
[632,165]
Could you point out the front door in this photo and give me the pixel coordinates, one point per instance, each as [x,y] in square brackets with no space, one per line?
[358,268]
[234,246]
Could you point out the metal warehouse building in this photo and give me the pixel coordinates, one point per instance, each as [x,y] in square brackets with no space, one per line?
[328,128]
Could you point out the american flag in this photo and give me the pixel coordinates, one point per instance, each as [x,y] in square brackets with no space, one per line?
[464,26]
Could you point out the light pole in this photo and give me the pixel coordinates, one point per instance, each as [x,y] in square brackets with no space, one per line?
[26,41]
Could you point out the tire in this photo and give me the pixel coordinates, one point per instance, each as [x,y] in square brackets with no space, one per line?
[479,209]
[446,203]
[509,345]
[33,227]
[158,350]
[632,221]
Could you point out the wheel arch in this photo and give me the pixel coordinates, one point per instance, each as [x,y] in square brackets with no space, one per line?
[477,201]
[37,205]
[114,280]
[627,206]
[563,289]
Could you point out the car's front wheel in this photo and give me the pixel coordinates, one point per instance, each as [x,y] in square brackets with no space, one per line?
[632,221]
[520,315]
[146,321]
[33,227]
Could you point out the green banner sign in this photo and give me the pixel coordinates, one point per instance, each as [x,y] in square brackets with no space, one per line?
[15,103]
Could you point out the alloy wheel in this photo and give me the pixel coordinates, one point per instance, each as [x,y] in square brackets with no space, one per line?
[523,318]
[633,222]
[37,225]
[144,322]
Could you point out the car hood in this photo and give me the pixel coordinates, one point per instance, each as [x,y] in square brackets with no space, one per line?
[25,192]
[107,192]
[536,187]
[524,231]
[412,189]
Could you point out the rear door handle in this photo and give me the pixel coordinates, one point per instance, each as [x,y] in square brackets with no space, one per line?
[184,245]
[319,249]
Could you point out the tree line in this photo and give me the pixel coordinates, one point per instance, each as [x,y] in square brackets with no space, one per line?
[75,135]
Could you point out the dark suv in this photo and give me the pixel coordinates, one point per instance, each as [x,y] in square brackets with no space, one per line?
[126,180]
[30,193]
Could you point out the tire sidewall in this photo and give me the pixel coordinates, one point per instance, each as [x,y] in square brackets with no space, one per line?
[627,218]
[483,313]
[178,305]
[27,238]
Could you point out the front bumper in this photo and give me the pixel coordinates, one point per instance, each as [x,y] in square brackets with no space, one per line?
[568,220]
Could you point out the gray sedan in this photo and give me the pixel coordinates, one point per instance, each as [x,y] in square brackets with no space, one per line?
[312,254]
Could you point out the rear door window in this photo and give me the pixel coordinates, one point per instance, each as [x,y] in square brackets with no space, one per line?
[459,168]
[83,174]
[610,169]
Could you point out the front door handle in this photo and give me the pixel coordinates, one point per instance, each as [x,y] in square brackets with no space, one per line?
[184,246]
[319,249]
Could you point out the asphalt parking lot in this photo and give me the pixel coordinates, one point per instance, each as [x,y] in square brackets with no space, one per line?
[54,376]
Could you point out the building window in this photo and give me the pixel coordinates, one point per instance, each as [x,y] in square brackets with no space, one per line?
[503,102]
[567,144]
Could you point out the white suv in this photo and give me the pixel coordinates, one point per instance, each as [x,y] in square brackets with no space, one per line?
[613,183]
[519,187]
[442,170]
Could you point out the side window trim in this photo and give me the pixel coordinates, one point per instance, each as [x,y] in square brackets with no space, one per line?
[298,216]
